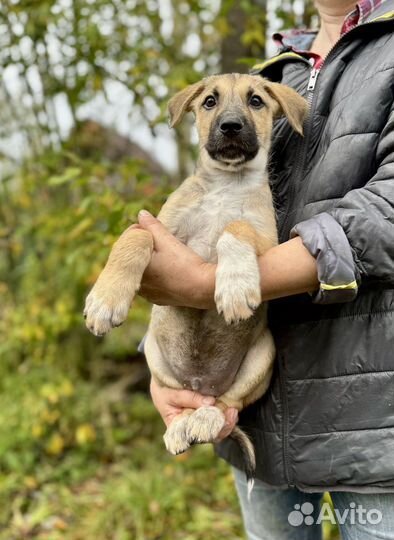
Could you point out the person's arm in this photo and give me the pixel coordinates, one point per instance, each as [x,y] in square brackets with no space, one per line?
[179,277]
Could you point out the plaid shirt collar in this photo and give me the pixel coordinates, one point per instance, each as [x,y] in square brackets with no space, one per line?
[300,41]
[360,14]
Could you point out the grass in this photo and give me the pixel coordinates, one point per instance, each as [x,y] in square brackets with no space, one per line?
[130,501]
[108,476]
[78,465]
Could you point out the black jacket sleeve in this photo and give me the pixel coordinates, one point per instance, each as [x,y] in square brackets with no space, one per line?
[362,248]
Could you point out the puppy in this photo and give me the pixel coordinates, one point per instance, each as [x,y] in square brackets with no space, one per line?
[224,212]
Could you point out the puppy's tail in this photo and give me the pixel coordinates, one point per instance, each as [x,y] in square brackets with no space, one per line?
[248,455]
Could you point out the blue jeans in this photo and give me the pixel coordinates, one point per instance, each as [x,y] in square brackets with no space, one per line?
[276,514]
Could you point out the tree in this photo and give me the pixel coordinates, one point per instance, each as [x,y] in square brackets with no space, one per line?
[244,34]
[56,56]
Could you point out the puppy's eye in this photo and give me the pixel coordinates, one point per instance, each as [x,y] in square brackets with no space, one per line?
[209,102]
[256,102]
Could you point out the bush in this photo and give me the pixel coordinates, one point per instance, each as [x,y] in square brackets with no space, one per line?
[61,216]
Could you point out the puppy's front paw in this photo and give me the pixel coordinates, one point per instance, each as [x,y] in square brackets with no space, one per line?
[107,305]
[237,288]
[204,425]
[237,295]
[175,438]
[237,301]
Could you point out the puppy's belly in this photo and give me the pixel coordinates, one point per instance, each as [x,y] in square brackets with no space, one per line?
[199,350]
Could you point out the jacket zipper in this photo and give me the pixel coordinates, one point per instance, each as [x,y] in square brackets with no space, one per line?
[312,83]
[311,88]
[303,147]
[301,157]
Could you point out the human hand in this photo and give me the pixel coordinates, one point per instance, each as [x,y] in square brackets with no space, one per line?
[170,403]
[176,275]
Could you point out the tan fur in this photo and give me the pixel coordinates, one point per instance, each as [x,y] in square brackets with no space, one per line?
[108,303]
[246,233]
[251,383]
[224,212]
[180,103]
[288,103]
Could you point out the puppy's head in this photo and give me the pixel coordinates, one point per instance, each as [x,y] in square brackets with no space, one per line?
[234,115]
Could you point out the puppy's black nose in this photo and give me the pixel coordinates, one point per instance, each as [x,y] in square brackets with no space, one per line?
[230,126]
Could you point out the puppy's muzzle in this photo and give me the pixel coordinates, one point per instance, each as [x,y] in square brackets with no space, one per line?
[232,139]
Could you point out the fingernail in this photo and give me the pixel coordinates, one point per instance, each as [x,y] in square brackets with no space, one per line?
[208,401]
[144,213]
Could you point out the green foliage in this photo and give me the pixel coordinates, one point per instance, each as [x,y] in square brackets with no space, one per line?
[74,49]
[110,477]
[60,217]
[243,27]
[44,417]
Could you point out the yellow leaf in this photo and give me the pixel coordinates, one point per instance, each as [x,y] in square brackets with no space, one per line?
[3,287]
[60,524]
[37,431]
[66,389]
[50,416]
[55,445]
[30,482]
[61,307]
[49,392]
[85,434]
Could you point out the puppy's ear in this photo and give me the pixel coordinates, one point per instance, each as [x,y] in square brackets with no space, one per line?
[181,102]
[290,103]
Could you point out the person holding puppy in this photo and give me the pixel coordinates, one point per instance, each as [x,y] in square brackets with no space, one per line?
[327,421]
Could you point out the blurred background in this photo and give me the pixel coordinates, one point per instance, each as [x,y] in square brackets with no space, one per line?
[84,145]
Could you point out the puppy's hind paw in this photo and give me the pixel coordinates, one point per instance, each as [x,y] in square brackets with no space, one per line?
[175,438]
[205,424]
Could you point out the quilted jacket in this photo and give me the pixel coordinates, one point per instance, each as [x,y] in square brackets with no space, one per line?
[327,421]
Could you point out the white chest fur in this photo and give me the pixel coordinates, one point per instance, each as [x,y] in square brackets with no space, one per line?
[227,198]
